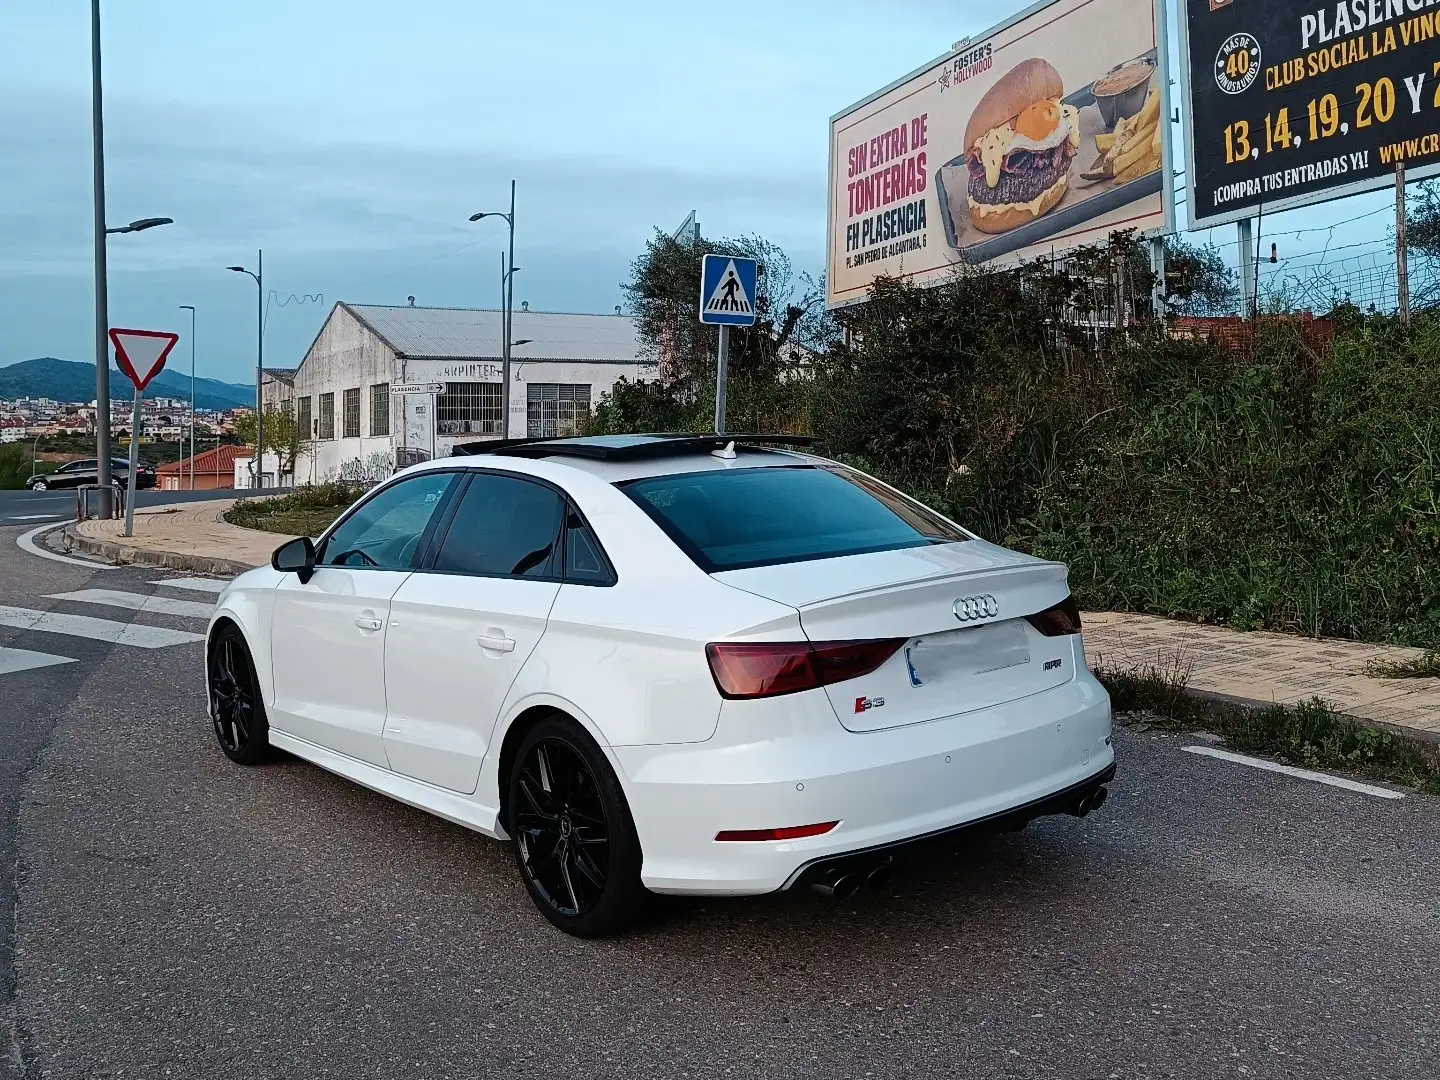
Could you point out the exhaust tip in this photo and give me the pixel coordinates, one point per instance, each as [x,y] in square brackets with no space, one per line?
[840,887]
[1098,799]
[880,876]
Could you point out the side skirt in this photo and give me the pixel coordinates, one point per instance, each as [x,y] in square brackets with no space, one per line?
[449,805]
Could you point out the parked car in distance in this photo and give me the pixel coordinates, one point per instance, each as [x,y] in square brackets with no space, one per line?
[75,474]
[674,664]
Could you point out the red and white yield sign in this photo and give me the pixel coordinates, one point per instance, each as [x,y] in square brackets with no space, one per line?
[140,354]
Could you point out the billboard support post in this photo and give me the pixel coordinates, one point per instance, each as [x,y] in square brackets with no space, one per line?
[1402,266]
[1245,248]
[1157,267]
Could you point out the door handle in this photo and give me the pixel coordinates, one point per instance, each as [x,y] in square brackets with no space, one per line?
[496,644]
[369,622]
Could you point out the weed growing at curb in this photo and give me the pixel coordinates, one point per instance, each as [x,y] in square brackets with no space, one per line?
[1310,734]
[1425,666]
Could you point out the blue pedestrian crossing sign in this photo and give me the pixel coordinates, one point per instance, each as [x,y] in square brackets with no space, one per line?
[727,290]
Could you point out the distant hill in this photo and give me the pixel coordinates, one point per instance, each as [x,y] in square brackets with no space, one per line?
[68,380]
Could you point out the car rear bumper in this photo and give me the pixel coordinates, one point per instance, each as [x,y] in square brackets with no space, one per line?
[886,788]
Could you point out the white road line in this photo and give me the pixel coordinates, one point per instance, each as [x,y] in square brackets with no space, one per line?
[83,626]
[15,519]
[1290,770]
[158,605]
[195,584]
[13,660]
[27,544]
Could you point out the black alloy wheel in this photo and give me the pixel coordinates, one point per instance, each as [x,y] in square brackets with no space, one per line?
[574,840]
[236,710]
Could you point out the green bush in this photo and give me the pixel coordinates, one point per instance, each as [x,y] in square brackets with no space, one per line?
[306,511]
[14,466]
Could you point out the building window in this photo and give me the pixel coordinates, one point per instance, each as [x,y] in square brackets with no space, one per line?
[327,416]
[469,408]
[351,417]
[380,409]
[557,409]
[303,426]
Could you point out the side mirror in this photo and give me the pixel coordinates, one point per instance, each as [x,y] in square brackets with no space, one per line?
[296,557]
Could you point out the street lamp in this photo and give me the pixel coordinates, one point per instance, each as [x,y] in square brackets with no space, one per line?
[191,308]
[140,225]
[508,300]
[259,278]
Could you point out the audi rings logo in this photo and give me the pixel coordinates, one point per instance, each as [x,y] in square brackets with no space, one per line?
[969,608]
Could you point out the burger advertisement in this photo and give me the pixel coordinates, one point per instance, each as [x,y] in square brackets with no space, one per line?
[1041,135]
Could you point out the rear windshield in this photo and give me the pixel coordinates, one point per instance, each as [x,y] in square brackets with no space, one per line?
[738,518]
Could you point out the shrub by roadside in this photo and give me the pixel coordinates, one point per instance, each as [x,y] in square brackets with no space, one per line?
[306,511]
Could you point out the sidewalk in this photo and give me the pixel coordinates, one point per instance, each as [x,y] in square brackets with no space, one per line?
[1267,667]
[187,537]
[1250,666]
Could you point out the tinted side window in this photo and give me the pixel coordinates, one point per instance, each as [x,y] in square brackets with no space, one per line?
[585,562]
[503,527]
[385,532]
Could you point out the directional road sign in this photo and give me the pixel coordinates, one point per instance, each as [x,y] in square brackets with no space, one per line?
[140,354]
[418,388]
[727,290]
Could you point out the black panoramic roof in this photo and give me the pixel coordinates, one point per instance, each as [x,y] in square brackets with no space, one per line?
[622,447]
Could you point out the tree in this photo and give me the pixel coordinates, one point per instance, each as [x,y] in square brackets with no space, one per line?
[283,436]
[1198,281]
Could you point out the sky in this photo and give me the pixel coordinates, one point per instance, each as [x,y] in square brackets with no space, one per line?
[352,140]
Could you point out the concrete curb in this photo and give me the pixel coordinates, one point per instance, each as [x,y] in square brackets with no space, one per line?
[128,555]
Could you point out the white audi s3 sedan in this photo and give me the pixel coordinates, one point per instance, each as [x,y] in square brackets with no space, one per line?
[681,664]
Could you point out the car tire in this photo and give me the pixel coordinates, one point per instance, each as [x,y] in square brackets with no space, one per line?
[574,838]
[237,712]
[39,485]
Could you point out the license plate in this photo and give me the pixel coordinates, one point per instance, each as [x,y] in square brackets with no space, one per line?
[972,651]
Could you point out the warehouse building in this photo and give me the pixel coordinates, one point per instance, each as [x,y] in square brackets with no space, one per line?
[562,365]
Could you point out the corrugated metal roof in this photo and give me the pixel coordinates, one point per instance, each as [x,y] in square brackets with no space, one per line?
[423,333]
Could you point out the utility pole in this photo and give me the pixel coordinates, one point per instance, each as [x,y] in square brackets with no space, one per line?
[102,299]
[1402,264]
[1157,267]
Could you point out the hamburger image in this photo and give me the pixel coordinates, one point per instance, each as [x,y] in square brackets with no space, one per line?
[1019,142]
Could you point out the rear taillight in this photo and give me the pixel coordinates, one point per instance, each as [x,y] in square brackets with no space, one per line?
[1062,619]
[769,668]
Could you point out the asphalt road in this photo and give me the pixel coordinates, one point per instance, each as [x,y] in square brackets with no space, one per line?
[181,916]
[37,507]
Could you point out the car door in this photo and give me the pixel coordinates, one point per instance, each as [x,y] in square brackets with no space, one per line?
[463,627]
[328,633]
[75,474]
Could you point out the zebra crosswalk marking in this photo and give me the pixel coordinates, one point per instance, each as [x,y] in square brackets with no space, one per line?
[194,584]
[12,660]
[157,605]
[84,626]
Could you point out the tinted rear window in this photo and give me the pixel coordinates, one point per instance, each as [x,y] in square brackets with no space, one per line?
[740,518]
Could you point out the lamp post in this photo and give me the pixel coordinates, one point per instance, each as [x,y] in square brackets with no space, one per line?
[259,276]
[102,299]
[191,308]
[508,300]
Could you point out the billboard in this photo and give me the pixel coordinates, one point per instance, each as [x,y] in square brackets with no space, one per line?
[1042,134]
[1292,102]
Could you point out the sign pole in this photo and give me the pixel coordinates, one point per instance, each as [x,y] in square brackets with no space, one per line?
[134,462]
[1402,264]
[722,374]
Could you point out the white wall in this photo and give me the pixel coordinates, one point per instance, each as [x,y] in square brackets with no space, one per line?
[345,355]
